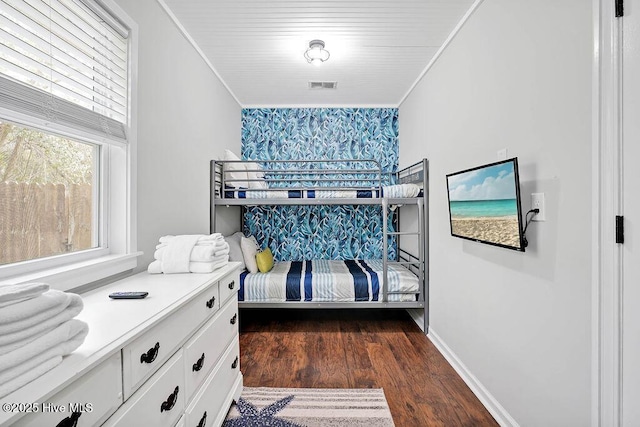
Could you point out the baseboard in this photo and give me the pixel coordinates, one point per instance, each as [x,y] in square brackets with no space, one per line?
[500,414]
[418,316]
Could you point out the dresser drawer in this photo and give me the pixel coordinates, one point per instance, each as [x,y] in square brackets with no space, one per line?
[90,399]
[159,402]
[229,286]
[209,400]
[204,349]
[143,356]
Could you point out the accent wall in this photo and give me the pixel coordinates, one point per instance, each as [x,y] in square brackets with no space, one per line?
[320,232]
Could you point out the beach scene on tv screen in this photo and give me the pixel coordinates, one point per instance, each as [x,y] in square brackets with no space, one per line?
[483,205]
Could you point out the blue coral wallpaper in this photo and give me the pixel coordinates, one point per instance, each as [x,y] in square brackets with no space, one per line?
[320,232]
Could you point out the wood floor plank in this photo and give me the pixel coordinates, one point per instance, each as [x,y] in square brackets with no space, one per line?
[358,349]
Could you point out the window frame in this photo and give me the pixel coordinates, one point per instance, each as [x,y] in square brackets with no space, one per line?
[116,212]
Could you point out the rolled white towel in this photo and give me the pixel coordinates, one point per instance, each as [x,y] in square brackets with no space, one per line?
[10,294]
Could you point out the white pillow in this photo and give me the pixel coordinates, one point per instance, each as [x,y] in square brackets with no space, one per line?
[235,250]
[235,171]
[250,248]
[257,173]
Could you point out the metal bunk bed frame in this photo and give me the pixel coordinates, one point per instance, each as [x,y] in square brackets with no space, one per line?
[416,173]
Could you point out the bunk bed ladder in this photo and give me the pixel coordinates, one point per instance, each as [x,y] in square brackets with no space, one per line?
[419,233]
[385,249]
[425,243]
[212,191]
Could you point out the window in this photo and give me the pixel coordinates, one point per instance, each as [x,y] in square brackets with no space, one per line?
[67,142]
[47,188]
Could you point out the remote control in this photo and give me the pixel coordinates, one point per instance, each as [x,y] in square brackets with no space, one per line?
[128,295]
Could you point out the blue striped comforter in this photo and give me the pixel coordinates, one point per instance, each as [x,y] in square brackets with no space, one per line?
[327,281]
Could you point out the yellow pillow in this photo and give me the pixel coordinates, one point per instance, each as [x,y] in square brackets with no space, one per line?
[264,259]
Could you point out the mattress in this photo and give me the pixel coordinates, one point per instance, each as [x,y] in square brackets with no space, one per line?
[395,191]
[327,281]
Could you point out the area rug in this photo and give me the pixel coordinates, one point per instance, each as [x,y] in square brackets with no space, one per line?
[310,407]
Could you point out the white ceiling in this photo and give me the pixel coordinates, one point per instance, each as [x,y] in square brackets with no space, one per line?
[378,48]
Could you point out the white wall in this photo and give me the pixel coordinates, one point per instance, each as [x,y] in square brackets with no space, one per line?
[517,76]
[186,117]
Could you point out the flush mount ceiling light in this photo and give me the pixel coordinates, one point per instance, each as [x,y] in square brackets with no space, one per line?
[316,54]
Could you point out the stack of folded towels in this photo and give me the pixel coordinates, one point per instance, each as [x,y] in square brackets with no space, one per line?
[193,253]
[37,328]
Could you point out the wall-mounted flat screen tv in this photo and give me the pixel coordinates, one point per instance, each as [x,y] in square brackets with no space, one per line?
[484,204]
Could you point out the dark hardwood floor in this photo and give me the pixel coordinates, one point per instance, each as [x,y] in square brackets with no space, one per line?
[358,349]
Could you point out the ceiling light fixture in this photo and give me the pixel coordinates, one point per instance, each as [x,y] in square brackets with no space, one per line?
[316,54]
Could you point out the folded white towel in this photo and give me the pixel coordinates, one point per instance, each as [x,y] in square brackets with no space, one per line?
[10,294]
[223,257]
[35,311]
[221,245]
[207,267]
[15,340]
[221,263]
[201,237]
[176,256]
[29,331]
[206,243]
[201,267]
[156,267]
[16,367]
[198,253]
[41,368]
[221,252]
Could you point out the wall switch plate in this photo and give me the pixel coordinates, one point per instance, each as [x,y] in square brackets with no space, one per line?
[537,202]
[502,154]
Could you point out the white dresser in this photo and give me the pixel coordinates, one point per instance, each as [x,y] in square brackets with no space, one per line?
[169,359]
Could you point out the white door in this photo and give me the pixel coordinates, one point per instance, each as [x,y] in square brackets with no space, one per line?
[631,211]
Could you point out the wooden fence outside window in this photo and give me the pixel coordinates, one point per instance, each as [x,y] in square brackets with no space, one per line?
[40,220]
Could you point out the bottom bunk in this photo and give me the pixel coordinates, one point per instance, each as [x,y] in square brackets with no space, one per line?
[322,283]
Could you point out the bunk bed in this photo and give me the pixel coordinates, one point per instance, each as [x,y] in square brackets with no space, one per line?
[401,282]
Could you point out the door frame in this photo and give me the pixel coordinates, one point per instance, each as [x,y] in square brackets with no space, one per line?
[606,204]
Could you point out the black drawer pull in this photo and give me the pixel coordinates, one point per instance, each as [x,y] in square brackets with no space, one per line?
[234,365]
[171,401]
[203,420]
[70,421]
[151,354]
[234,319]
[232,284]
[211,302]
[198,365]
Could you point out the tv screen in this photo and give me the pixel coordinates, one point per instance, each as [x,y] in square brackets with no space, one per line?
[484,204]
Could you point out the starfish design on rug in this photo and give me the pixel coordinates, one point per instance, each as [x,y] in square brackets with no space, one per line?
[250,416]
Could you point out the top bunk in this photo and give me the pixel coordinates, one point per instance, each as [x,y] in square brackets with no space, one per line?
[315,182]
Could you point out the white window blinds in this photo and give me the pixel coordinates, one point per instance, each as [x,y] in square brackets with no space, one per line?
[65,61]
